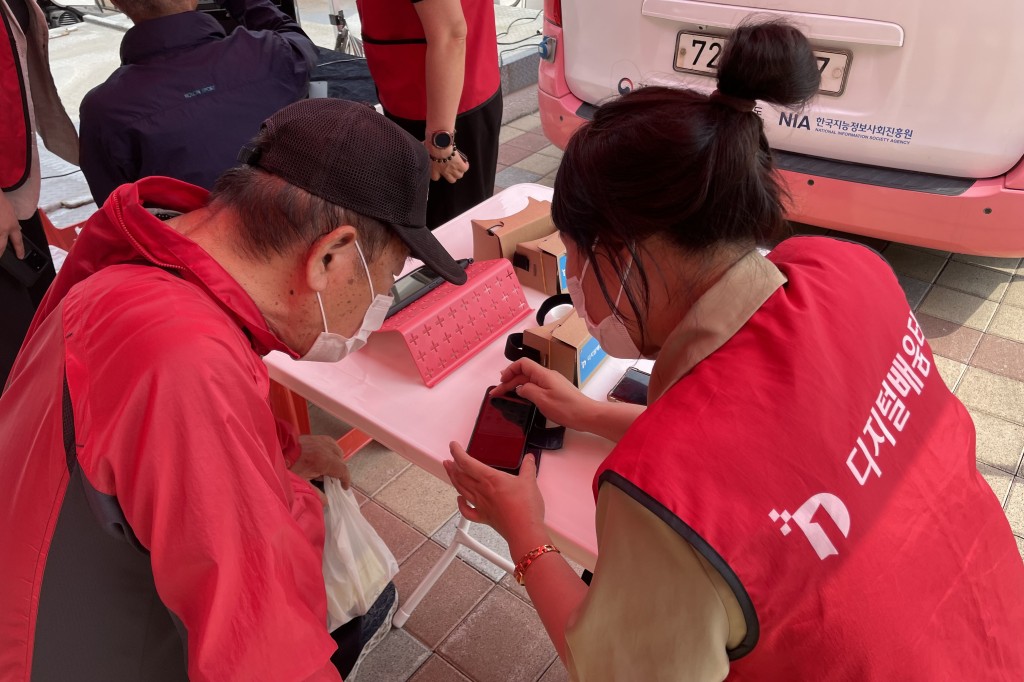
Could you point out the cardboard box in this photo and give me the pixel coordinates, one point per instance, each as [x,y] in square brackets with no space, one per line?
[567,347]
[497,238]
[540,264]
[539,339]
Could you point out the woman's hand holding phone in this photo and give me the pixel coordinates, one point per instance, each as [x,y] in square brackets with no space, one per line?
[511,505]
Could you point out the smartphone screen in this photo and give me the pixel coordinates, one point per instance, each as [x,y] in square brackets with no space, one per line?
[502,427]
[414,285]
[406,287]
[632,387]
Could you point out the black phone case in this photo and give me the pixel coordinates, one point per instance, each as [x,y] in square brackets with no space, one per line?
[29,270]
[527,447]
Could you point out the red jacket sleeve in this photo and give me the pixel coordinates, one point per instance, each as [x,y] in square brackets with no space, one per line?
[173,420]
[288,436]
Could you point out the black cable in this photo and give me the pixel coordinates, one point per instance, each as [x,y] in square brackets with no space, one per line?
[522,40]
[512,49]
[516,21]
[342,61]
[62,175]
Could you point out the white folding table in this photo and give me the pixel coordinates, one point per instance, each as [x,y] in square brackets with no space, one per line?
[378,390]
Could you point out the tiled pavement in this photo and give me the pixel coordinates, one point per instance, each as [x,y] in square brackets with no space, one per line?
[478,626]
[526,155]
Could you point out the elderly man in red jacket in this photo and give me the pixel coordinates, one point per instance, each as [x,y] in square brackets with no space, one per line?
[150,525]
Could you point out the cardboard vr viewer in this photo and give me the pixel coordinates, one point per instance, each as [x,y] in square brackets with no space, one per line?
[567,347]
[540,264]
[528,239]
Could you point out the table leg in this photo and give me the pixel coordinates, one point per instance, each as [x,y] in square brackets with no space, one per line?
[353,441]
[461,539]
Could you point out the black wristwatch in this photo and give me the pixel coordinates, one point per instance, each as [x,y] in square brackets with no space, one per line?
[442,139]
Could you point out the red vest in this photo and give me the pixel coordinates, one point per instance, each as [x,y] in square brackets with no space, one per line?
[396,51]
[15,140]
[818,460]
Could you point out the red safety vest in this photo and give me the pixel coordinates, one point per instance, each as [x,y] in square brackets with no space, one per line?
[15,129]
[396,51]
[819,462]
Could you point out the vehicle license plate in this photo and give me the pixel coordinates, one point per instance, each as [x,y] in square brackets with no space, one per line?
[700,53]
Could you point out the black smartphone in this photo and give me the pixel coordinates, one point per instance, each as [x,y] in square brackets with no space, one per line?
[631,388]
[27,270]
[416,284]
[502,428]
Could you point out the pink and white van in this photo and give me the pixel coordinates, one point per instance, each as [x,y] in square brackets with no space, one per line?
[916,136]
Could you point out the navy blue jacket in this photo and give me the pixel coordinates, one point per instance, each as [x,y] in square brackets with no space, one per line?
[187,96]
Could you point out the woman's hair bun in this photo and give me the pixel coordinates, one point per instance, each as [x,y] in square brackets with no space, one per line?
[770,61]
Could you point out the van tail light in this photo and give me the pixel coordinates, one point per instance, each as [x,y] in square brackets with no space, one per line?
[553,11]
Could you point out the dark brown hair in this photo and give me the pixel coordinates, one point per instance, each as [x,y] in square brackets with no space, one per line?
[675,163]
[277,218]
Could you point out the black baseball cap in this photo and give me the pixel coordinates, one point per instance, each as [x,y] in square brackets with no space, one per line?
[348,154]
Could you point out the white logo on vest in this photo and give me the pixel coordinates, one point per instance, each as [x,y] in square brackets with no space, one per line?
[815,534]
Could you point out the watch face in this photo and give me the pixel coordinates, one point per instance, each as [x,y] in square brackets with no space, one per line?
[442,139]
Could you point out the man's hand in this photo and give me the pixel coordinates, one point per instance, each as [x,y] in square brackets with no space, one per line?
[10,229]
[321,456]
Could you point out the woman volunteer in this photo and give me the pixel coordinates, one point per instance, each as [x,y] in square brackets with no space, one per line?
[800,500]
[435,63]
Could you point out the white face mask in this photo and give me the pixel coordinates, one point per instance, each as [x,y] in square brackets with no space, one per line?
[330,347]
[611,333]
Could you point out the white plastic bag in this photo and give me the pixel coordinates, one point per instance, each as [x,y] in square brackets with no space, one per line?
[357,563]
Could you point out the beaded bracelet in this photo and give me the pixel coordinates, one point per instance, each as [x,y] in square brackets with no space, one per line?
[531,556]
[455,150]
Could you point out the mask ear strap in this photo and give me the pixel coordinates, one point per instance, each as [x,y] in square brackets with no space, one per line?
[622,288]
[322,313]
[593,250]
[362,258]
